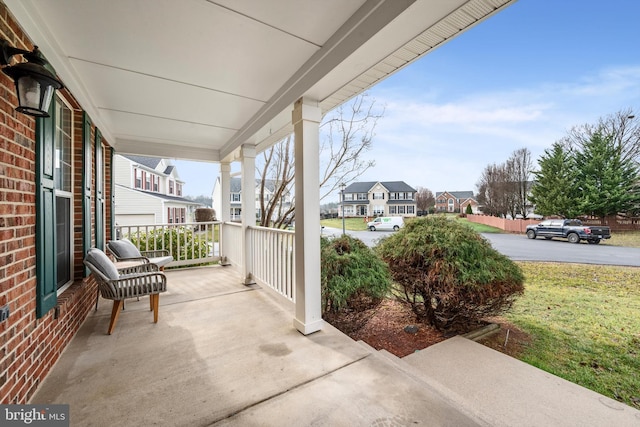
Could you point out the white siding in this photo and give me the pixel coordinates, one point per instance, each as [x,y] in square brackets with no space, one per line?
[132,202]
[123,171]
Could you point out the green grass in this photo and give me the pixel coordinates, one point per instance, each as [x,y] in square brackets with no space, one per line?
[480,228]
[585,325]
[352,224]
[629,239]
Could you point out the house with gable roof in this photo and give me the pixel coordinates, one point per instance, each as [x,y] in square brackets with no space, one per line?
[378,198]
[148,190]
[456,201]
[235,197]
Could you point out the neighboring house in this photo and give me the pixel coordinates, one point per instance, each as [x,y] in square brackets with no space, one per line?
[456,201]
[236,197]
[371,199]
[148,190]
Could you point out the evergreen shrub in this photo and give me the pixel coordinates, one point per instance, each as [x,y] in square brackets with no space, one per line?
[449,274]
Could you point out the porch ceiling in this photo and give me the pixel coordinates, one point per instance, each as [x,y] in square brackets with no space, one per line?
[195,79]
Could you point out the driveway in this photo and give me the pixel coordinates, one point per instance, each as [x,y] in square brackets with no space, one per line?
[519,248]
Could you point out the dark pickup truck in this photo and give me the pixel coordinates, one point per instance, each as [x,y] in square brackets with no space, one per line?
[571,229]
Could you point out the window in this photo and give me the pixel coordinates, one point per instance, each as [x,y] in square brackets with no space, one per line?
[400,210]
[378,210]
[235,197]
[378,196]
[392,210]
[138,178]
[170,215]
[156,183]
[171,185]
[147,181]
[363,196]
[63,192]
[178,189]
[348,196]
[411,209]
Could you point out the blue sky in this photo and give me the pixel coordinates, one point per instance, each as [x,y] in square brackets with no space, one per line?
[522,78]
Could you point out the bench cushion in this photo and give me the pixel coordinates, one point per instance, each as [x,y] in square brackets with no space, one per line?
[123,248]
[102,263]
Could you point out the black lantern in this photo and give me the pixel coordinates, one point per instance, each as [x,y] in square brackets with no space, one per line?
[35,85]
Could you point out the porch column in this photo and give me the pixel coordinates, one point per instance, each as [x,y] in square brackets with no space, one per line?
[248,204]
[306,126]
[225,191]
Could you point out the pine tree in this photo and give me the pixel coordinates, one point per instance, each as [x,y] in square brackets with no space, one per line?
[607,180]
[555,191]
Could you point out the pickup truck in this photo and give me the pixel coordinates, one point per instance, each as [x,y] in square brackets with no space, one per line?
[571,229]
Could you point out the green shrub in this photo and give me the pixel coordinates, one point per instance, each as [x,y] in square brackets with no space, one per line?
[449,274]
[181,242]
[469,209]
[354,279]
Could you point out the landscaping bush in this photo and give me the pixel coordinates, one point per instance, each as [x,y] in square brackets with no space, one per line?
[181,242]
[354,280]
[449,274]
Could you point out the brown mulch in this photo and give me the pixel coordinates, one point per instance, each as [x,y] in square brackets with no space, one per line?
[384,328]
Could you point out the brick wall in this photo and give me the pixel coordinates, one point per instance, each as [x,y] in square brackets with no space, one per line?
[29,347]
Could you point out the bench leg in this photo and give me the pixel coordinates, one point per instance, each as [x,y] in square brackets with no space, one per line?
[155,301]
[115,312]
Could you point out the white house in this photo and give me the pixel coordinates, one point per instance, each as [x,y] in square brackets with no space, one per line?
[390,198]
[148,190]
[235,197]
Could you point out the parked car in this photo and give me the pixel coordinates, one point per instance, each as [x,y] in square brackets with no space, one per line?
[571,229]
[386,223]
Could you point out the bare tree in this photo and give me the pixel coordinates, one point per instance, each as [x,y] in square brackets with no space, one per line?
[520,169]
[347,133]
[424,199]
[622,127]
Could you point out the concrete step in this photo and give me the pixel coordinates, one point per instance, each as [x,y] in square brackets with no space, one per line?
[500,389]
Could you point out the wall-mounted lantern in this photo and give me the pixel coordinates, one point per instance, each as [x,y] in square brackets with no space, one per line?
[35,85]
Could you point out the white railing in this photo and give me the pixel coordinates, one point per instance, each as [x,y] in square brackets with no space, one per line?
[189,243]
[273,259]
[231,244]
[271,250]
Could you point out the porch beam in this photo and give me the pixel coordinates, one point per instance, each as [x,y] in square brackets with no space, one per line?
[248,206]
[306,123]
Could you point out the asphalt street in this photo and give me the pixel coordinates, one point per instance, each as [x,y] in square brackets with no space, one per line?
[519,248]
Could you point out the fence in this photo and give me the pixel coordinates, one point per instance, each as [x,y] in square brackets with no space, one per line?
[510,225]
[273,259]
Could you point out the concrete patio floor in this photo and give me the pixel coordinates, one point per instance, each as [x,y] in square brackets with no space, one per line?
[226,354]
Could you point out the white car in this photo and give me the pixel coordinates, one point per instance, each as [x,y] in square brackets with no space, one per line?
[386,223]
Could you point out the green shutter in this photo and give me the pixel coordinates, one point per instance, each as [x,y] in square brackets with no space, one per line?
[99,183]
[46,275]
[87,160]
[112,202]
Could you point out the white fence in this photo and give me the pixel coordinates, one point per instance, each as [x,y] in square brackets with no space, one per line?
[189,243]
[231,244]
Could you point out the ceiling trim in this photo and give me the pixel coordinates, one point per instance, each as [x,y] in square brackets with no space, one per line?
[360,27]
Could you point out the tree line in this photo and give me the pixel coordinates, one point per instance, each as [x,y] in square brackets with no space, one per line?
[592,171]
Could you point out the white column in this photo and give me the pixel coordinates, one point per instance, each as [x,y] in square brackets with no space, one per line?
[248,203]
[306,124]
[225,210]
[225,191]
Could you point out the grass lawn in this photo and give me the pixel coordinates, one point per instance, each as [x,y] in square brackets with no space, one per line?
[480,228]
[629,239]
[353,224]
[584,321]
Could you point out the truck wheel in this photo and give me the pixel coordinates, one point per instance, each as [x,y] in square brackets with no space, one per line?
[573,238]
[396,228]
[531,234]
[372,228]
